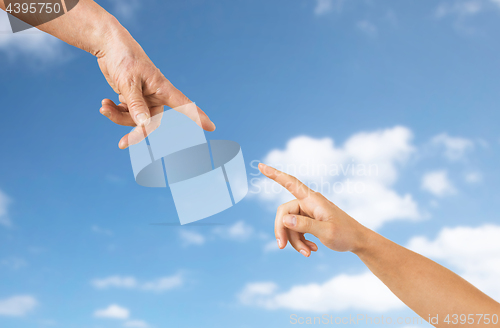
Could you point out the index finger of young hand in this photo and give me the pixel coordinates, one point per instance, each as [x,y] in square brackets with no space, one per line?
[291,183]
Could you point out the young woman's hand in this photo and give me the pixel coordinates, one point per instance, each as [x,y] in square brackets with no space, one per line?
[312,213]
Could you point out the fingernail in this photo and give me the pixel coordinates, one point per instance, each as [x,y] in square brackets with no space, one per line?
[213,125]
[279,242]
[290,220]
[106,113]
[142,118]
[303,252]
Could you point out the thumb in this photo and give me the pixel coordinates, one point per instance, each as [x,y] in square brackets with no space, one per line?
[139,110]
[305,224]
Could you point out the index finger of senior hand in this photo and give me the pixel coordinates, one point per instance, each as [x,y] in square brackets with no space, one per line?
[291,183]
[175,99]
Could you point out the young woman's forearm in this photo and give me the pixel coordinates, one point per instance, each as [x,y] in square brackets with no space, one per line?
[87,26]
[426,287]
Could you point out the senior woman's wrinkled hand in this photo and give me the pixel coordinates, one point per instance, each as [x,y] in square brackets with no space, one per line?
[142,88]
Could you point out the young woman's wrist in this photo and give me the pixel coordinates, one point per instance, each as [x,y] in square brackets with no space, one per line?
[366,240]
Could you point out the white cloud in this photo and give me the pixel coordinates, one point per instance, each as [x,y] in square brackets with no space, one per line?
[239,231]
[367,27]
[464,13]
[473,177]
[17,306]
[136,324]
[113,311]
[191,238]
[252,291]
[343,292]
[158,285]
[473,252]
[114,281]
[102,231]
[437,183]
[4,203]
[163,284]
[458,8]
[271,246]
[358,176]
[32,43]
[48,322]
[125,8]
[455,148]
[14,263]
[326,6]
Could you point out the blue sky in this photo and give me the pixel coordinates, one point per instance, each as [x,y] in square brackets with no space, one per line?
[409,86]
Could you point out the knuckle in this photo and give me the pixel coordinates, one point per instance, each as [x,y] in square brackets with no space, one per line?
[329,235]
[172,95]
[289,186]
[136,104]
[124,78]
[281,209]
[313,194]
[305,224]
[317,194]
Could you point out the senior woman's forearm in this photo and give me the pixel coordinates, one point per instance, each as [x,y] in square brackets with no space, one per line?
[87,26]
[426,287]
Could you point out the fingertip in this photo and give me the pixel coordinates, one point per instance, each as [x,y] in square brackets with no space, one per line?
[283,243]
[209,126]
[122,144]
[305,253]
[105,112]
[107,101]
[281,239]
[312,246]
[264,169]
[142,119]
[290,221]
